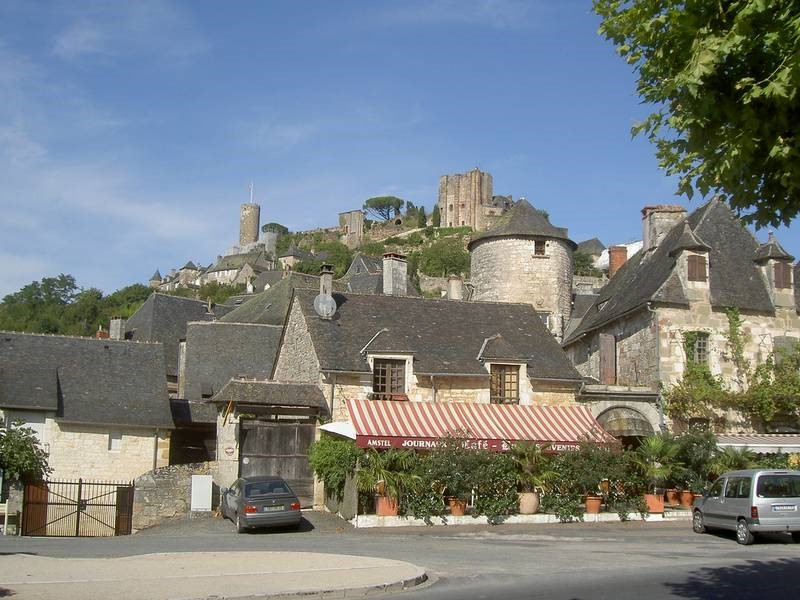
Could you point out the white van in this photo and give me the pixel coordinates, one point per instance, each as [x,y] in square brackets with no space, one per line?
[749,502]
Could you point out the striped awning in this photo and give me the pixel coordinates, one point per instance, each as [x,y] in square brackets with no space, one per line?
[762,443]
[419,425]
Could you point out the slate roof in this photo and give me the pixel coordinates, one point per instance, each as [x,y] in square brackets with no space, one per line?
[156,276]
[163,318]
[771,249]
[192,412]
[294,251]
[688,240]
[592,246]
[523,220]
[85,380]
[734,278]
[581,303]
[190,266]
[271,393]
[216,352]
[444,336]
[365,276]
[234,262]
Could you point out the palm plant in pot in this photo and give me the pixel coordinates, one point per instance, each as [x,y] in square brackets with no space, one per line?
[386,474]
[656,458]
[532,472]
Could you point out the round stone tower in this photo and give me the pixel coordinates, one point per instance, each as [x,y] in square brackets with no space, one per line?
[249,219]
[524,258]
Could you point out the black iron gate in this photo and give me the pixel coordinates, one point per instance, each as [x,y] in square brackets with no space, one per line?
[275,448]
[77,508]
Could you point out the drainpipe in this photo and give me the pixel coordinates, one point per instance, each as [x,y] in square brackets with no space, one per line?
[155,449]
[659,401]
[333,394]
[433,385]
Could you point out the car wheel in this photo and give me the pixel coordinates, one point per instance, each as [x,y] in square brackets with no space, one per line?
[697,522]
[743,534]
[796,536]
[240,527]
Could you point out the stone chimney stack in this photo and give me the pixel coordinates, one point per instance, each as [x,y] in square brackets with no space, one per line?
[657,220]
[455,288]
[326,280]
[617,257]
[395,274]
[249,219]
[116,330]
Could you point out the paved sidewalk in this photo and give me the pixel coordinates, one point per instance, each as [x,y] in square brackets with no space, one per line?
[184,576]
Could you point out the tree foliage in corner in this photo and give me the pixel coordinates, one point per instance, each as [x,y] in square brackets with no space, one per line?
[723,78]
[384,207]
[21,456]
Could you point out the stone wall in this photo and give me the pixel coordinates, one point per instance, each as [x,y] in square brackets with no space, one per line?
[297,360]
[507,270]
[166,493]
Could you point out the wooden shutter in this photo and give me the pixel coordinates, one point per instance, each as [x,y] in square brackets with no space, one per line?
[697,268]
[608,359]
[783,276]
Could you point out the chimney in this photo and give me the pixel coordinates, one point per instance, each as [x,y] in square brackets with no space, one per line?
[395,274]
[101,334]
[657,220]
[455,288]
[116,330]
[326,280]
[617,257]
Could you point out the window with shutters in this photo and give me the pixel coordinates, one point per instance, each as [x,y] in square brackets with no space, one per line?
[505,384]
[697,268]
[539,247]
[783,275]
[388,378]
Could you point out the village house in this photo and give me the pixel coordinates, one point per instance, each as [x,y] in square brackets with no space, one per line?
[99,407]
[675,296]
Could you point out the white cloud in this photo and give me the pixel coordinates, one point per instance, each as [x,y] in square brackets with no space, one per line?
[81,38]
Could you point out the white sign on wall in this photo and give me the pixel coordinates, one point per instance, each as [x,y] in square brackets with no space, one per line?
[201,493]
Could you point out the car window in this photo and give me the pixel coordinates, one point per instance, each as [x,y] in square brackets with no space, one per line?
[738,487]
[266,488]
[778,486]
[716,489]
[234,489]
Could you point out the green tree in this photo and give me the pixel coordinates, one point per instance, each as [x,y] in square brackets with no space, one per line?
[444,257]
[583,264]
[422,218]
[277,227]
[723,80]
[384,206]
[436,217]
[335,253]
[21,456]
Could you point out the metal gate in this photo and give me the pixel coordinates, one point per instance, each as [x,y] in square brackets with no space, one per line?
[77,508]
[275,448]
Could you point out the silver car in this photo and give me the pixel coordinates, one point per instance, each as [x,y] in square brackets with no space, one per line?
[260,502]
[750,502]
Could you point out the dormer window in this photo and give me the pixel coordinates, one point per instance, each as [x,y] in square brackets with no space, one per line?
[388,378]
[783,276]
[697,268]
[504,384]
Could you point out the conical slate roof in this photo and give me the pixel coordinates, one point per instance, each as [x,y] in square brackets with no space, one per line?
[523,220]
[156,276]
[189,265]
[771,249]
[688,240]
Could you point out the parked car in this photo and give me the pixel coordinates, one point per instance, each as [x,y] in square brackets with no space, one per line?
[750,502]
[260,502]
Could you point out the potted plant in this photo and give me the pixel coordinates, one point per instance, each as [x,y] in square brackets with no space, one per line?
[656,458]
[451,466]
[532,471]
[386,474]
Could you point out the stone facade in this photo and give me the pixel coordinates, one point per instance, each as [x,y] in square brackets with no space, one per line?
[352,225]
[297,360]
[466,199]
[508,270]
[249,220]
[98,452]
[166,493]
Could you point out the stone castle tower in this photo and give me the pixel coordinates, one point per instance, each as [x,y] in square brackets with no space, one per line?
[524,258]
[462,199]
[249,219]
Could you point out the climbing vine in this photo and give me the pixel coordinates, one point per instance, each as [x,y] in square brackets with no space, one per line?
[775,388]
[736,340]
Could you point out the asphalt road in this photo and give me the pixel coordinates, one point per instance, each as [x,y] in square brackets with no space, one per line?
[571,561]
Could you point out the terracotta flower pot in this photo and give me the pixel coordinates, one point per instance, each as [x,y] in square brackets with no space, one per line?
[385,506]
[528,502]
[655,503]
[687,498]
[672,497]
[593,504]
[458,507]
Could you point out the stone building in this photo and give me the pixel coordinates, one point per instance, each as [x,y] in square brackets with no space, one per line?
[524,258]
[98,406]
[466,199]
[351,224]
[249,224]
[689,272]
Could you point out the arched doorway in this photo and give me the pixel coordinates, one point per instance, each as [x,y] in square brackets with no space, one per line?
[626,424]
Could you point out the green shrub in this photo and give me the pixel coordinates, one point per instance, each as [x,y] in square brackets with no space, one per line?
[567,507]
[334,459]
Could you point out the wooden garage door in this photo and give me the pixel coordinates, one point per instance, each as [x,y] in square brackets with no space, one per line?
[278,449]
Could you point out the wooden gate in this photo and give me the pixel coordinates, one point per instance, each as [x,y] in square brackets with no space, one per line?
[276,448]
[77,508]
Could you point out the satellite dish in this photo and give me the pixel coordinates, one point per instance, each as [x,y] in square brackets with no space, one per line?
[324,305]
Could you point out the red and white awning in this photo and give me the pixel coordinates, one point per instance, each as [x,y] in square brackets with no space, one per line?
[419,425]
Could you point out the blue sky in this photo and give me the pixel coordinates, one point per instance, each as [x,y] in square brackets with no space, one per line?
[129,131]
